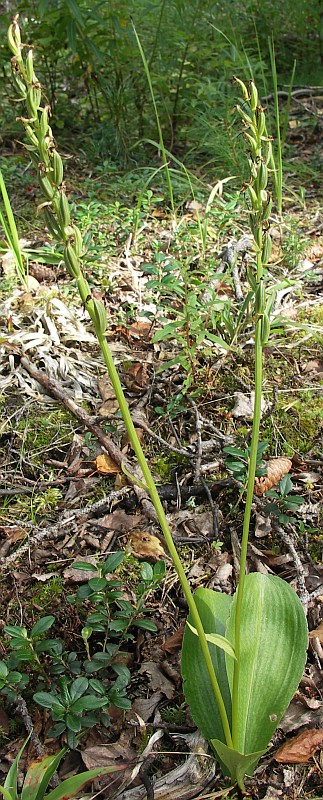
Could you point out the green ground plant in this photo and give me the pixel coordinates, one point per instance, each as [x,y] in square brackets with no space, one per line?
[39,776]
[242,657]
[7,220]
[78,690]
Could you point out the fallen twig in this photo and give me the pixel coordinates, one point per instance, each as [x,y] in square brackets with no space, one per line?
[304,595]
[56,390]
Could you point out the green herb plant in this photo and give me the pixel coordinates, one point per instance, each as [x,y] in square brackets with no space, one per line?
[7,220]
[39,775]
[237,460]
[283,504]
[242,657]
[81,689]
[189,313]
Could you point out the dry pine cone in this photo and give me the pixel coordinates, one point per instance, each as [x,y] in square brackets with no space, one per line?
[276,469]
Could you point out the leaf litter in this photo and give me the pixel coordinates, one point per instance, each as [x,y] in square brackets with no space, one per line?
[58,339]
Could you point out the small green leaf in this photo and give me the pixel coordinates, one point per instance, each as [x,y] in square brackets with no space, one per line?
[85,565]
[17,633]
[146,572]
[145,624]
[41,626]
[238,764]
[3,670]
[73,722]
[77,688]
[89,703]
[215,638]
[47,700]
[113,562]
[97,584]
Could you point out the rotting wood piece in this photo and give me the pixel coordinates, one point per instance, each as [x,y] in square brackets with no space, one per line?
[184,782]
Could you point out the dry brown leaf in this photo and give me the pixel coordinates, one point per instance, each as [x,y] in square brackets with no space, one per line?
[244,405]
[157,679]
[144,707]
[300,749]
[315,366]
[276,469]
[140,330]
[43,577]
[144,545]
[174,642]
[4,722]
[136,376]
[120,755]
[110,403]
[120,521]
[13,532]
[106,465]
[317,633]
[105,388]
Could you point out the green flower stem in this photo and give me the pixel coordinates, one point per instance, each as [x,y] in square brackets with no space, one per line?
[245,532]
[151,487]
[255,124]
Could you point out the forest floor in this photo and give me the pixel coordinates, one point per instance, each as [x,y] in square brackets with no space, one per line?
[65,497]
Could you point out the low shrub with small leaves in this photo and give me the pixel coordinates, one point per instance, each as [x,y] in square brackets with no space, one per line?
[78,690]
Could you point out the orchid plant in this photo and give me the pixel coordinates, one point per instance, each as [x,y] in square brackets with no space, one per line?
[243,656]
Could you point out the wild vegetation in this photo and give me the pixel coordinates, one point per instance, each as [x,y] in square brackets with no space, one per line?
[169,226]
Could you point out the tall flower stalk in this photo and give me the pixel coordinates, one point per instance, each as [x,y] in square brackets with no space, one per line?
[260,203]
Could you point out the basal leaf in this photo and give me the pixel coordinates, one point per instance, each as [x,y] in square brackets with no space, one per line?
[71,786]
[39,775]
[273,654]
[213,608]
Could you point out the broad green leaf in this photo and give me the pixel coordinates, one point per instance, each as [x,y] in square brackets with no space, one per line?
[273,654]
[73,785]
[215,638]
[213,609]
[237,764]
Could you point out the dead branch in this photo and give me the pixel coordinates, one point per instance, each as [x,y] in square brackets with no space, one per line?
[55,389]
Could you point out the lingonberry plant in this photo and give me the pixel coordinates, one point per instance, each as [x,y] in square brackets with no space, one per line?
[79,688]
